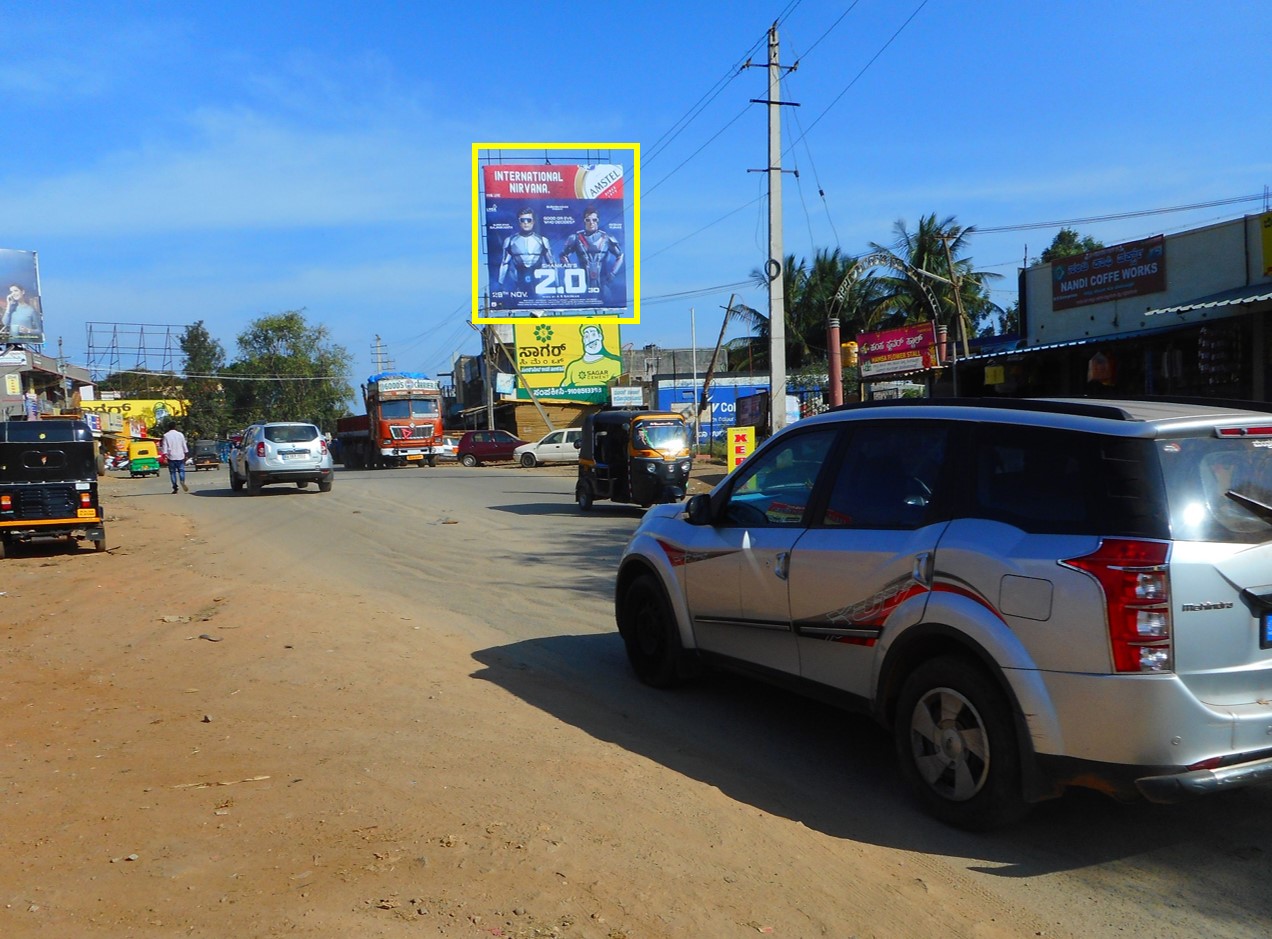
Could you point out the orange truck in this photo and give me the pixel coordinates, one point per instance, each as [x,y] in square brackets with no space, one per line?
[402,423]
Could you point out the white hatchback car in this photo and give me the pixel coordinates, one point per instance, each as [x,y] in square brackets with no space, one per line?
[559,446]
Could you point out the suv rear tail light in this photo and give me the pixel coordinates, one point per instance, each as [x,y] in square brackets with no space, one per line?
[260,448]
[322,443]
[86,500]
[1132,575]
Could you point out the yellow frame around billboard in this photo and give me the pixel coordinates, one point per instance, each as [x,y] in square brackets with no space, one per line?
[633,248]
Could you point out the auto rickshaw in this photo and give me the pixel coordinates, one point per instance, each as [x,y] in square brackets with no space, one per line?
[143,457]
[206,455]
[633,456]
[48,483]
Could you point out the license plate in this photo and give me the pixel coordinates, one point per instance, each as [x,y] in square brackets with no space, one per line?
[296,455]
[86,513]
[415,456]
[1265,634]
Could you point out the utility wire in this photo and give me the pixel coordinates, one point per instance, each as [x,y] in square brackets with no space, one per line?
[697,292]
[659,146]
[857,77]
[1029,226]
[829,30]
[654,254]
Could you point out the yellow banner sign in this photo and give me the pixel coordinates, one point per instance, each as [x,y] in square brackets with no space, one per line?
[740,441]
[152,412]
[569,361]
[1265,225]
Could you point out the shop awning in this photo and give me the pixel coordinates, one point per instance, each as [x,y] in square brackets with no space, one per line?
[1255,293]
[1001,352]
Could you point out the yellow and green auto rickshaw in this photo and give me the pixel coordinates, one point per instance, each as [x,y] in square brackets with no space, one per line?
[633,456]
[143,457]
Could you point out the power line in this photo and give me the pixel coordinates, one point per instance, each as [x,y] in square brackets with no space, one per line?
[226,377]
[829,30]
[1029,226]
[745,205]
[698,292]
[735,70]
[857,77]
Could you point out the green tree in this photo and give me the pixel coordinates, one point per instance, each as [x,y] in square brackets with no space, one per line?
[1066,244]
[288,370]
[208,411]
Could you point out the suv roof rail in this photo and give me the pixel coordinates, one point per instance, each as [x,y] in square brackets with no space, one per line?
[1105,409]
[1202,401]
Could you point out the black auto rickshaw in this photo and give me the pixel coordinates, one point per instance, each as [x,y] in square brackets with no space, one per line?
[48,483]
[633,456]
[206,455]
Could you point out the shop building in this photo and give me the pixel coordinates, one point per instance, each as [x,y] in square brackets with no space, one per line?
[1183,314]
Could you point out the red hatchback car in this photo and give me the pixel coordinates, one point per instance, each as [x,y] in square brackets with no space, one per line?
[486,446]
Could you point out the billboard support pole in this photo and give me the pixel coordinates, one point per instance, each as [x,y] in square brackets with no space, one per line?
[525,384]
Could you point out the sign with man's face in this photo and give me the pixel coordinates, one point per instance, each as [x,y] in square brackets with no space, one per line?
[566,361]
[554,237]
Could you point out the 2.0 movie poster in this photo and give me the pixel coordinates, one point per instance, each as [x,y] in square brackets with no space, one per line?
[554,237]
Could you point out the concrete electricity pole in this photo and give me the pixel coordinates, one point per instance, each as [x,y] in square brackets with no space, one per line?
[773,267]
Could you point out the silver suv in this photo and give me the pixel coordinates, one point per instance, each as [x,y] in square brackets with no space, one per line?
[281,452]
[1031,594]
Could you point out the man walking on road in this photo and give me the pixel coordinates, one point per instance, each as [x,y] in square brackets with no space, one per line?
[175,449]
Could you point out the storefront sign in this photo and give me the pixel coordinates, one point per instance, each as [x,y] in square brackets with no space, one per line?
[891,351]
[741,441]
[1265,226]
[568,361]
[1132,269]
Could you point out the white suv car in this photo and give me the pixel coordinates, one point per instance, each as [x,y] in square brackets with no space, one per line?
[1032,594]
[281,452]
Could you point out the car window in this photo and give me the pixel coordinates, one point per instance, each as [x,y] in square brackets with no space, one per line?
[887,476]
[1067,482]
[1213,486]
[291,433]
[775,487]
[554,437]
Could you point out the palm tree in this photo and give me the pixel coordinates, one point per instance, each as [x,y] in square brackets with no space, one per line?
[923,260]
[812,294]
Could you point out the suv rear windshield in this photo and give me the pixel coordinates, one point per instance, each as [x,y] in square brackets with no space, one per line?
[290,433]
[1218,490]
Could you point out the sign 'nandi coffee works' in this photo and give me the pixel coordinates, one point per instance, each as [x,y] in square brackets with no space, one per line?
[1127,270]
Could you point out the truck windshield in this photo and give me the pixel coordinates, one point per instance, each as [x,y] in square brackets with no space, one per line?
[401,409]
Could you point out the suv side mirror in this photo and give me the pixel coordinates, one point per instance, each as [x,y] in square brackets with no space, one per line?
[698,509]
[578,445]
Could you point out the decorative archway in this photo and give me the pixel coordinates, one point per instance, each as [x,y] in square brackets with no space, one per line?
[891,261]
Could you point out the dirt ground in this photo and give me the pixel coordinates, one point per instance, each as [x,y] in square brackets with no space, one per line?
[191,749]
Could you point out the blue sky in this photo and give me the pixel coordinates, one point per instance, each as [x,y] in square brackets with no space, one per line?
[175,162]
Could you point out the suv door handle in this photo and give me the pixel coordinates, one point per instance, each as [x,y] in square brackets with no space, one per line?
[783,566]
[923,567]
